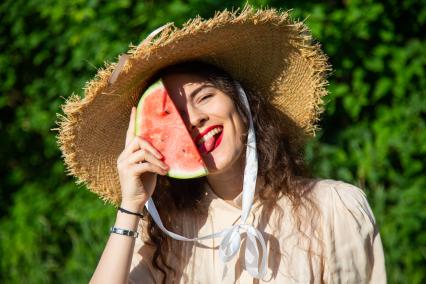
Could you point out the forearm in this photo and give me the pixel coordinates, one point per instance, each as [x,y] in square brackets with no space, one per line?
[114,265]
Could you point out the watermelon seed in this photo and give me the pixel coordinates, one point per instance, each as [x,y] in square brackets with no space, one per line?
[166,111]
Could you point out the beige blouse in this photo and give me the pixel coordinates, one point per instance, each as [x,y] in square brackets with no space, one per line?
[340,243]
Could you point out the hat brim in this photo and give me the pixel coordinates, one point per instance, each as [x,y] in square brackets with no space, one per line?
[267,52]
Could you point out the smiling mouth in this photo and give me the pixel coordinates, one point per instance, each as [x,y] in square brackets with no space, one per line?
[210,141]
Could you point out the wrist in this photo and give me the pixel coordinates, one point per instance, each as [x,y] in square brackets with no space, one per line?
[125,220]
[135,205]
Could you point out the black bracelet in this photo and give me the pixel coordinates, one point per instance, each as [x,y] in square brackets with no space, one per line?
[129,212]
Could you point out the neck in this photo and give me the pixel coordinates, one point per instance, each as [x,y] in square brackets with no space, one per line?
[229,183]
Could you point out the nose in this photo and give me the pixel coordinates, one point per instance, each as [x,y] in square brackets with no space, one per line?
[196,118]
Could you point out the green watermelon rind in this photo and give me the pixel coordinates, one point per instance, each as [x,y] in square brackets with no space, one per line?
[173,173]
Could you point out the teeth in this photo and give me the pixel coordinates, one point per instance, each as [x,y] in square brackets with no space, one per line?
[209,135]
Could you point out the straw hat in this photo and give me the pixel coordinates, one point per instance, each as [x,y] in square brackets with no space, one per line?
[265,50]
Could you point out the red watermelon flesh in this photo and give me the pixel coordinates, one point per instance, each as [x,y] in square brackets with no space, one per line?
[159,122]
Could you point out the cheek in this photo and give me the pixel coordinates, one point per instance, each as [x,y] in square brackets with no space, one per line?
[238,121]
[237,128]
[219,109]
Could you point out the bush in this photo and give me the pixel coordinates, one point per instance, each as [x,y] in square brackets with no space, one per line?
[372,135]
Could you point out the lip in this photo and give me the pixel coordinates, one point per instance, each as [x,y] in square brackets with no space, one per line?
[205,131]
[203,150]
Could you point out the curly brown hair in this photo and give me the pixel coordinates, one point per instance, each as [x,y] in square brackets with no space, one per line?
[282,169]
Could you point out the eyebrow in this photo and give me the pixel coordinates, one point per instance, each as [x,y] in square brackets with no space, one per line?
[197,90]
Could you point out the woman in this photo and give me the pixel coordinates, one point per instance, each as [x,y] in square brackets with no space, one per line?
[309,231]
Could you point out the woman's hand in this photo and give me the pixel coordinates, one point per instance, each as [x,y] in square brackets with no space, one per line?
[138,166]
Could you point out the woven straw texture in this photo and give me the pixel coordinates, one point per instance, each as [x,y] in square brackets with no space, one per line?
[265,50]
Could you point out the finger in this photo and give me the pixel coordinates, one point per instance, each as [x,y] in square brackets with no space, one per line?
[139,169]
[144,155]
[136,144]
[146,145]
[133,146]
[131,130]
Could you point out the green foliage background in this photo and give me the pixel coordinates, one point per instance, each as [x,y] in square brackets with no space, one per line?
[373,131]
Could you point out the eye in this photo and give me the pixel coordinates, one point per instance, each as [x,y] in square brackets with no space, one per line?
[206,97]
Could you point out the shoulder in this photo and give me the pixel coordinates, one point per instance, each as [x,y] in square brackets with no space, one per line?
[333,195]
[327,187]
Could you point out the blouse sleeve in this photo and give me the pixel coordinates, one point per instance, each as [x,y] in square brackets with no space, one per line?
[353,248]
[140,268]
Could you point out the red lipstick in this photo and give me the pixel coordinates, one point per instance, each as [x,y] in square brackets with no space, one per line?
[205,131]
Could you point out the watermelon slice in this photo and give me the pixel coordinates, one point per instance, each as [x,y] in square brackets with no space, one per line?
[159,122]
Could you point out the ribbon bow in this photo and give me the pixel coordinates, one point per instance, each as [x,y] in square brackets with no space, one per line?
[230,245]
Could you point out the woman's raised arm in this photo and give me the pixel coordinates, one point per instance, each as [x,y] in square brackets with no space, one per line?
[138,166]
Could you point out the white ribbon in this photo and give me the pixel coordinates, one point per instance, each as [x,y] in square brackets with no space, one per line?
[231,238]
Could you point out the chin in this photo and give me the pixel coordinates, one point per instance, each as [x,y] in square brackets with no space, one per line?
[221,162]
[217,166]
